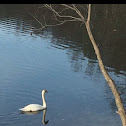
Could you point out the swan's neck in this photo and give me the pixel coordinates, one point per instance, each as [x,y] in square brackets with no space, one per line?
[43,99]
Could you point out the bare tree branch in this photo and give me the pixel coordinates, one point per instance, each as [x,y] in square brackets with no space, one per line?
[76,10]
[62,16]
[82,7]
[36,18]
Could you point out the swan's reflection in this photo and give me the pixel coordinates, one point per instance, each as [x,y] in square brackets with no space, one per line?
[33,113]
[43,118]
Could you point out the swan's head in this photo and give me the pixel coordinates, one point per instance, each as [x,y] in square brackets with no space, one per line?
[44,91]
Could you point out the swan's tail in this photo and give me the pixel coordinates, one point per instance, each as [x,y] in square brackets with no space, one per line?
[21,109]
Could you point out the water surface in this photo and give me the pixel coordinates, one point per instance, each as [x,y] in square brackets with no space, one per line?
[66,66]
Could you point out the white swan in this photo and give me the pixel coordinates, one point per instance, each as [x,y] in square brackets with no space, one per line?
[36,107]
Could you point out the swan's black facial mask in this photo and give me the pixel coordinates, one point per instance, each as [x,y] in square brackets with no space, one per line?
[46,91]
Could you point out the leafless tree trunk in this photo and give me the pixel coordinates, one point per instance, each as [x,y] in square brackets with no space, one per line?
[62,18]
[121,110]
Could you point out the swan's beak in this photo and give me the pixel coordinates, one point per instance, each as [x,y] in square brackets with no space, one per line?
[46,91]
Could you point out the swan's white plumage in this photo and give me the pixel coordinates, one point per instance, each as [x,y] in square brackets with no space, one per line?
[32,107]
[35,107]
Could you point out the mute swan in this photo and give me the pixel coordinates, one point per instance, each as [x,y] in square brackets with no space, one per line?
[36,107]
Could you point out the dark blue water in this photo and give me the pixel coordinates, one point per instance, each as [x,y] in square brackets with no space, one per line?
[78,94]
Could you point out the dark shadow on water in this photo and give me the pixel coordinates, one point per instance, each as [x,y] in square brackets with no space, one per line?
[30,113]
